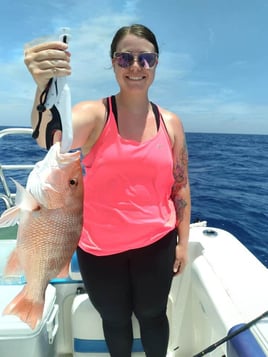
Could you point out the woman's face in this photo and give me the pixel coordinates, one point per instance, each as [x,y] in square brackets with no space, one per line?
[138,76]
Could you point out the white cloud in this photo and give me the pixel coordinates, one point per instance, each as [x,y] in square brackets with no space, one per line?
[210,114]
[174,65]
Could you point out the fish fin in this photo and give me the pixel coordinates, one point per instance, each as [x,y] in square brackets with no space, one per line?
[13,266]
[26,309]
[24,199]
[10,217]
[64,272]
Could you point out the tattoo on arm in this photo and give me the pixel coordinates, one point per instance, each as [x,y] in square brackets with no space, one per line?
[181,179]
[180,205]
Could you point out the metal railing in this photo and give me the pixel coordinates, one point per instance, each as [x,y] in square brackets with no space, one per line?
[7,196]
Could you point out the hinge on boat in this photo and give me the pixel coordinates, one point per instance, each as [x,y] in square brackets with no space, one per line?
[80,290]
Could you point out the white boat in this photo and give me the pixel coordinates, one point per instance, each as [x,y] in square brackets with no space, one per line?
[218,307]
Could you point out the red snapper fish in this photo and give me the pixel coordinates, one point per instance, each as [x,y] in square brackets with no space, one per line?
[49,212]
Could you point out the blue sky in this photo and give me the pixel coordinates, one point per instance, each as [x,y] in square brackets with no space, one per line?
[213,56]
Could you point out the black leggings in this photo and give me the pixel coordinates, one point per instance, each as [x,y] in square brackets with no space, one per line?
[136,281]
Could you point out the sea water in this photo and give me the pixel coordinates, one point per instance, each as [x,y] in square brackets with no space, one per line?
[229,185]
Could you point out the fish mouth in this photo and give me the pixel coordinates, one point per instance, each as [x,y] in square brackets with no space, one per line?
[62,159]
[65,159]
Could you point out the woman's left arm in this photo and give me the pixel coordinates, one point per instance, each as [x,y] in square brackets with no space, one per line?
[181,194]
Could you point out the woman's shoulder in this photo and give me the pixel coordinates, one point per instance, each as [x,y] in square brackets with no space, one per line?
[89,108]
[171,119]
[173,124]
[168,115]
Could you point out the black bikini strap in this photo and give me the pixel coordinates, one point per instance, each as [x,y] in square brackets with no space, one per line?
[156,114]
[114,108]
[158,117]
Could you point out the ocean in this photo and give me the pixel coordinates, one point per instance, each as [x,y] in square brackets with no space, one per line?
[229,185]
[228,177]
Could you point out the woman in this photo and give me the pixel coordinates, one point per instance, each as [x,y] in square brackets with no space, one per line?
[137,196]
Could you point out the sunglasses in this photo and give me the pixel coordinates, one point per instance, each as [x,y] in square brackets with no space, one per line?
[145,59]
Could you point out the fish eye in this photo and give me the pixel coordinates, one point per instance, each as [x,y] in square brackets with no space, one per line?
[73,182]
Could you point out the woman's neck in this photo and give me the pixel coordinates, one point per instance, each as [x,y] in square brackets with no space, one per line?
[135,117]
[135,104]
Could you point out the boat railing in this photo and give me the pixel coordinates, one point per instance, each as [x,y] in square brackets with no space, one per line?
[7,196]
[14,131]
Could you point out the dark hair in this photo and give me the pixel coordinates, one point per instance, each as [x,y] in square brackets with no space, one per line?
[137,30]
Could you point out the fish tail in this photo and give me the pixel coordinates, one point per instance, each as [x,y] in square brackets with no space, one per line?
[27,310]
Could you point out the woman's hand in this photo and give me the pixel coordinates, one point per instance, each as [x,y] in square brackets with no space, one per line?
[180,259]
[47,60]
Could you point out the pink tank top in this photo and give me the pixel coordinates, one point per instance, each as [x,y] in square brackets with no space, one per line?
[128,184]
